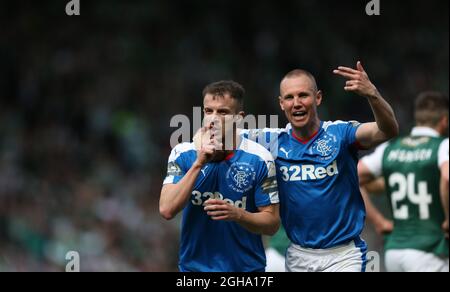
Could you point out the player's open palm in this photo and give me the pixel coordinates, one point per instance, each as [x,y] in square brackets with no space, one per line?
[221,210]
[357,80]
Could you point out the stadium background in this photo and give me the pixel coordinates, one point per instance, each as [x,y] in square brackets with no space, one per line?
[85,105]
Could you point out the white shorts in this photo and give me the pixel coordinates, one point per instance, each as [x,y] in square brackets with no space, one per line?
[344,258]
[275,261]
[413,260]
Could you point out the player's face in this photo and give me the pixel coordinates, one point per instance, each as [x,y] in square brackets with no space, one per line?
[221,112]
[299,100]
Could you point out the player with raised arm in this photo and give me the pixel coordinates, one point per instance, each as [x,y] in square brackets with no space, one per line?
[320,203]
[228,197]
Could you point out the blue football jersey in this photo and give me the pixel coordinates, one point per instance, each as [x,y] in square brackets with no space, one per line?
[247,180]
[320,202]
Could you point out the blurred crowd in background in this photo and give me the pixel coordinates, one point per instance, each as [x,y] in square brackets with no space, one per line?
[86,103]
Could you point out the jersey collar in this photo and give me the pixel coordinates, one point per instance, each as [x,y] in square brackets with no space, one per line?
[305,141]
[424,131]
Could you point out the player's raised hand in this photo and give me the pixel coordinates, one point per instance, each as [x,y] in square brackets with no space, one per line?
[206,145]
[357,80]
[221,210]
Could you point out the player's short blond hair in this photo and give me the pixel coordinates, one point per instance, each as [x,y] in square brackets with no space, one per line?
[299,73]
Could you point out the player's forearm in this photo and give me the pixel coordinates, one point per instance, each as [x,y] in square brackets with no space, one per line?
[372,213]
[384,115]
[364,175]
[376,186]
[266,223]
[175,197]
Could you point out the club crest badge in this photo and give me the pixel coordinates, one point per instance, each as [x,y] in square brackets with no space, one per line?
[325,146]
[240,177]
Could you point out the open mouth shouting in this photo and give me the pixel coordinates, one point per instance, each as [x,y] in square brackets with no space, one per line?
[299,115]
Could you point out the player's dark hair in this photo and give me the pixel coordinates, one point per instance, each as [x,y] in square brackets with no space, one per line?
[430,107]
[300,72]
[223,87]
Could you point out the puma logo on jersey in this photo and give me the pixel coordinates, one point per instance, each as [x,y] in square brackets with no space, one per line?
[200,198]
[308,172]
[204,169]
[285,152]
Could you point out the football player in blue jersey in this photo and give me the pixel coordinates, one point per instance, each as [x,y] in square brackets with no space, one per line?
[321,206]
[229,198]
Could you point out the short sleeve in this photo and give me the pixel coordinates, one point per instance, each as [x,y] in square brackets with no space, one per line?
[175,165]
[443,152]
[345,129]
[374,161]
[266,191]
[350,132]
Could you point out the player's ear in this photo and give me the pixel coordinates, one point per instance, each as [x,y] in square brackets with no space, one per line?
[319,97]
[443,125]
[281,102]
